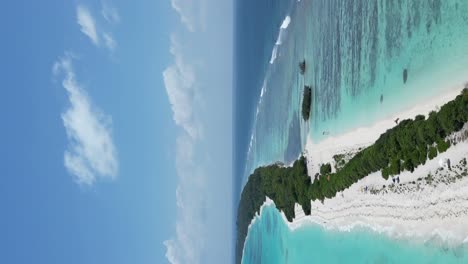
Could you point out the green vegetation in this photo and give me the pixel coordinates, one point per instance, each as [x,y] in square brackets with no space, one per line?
[403,147]
[338,158]
[339,161]
[325,169]
[442,146]
[432,152]
[306,102]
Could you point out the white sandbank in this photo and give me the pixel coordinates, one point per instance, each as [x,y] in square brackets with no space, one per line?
[322,152]
[420,210]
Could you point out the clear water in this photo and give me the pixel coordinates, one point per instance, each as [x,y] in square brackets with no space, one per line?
[271,241]
[356,52]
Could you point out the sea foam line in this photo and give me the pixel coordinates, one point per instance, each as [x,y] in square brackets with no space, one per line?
[274,54]
[278,43]
[279,40]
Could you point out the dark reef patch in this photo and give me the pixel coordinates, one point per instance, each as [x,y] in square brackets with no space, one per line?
[405,75]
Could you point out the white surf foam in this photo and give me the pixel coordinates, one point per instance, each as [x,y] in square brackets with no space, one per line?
[279,40]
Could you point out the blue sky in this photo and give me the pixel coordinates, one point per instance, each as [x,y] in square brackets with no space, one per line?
[116,142]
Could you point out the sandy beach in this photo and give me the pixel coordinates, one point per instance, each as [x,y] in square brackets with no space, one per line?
[430,203]
[419,207]
[350,142]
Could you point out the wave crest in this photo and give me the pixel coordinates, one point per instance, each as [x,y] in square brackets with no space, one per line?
[279,40]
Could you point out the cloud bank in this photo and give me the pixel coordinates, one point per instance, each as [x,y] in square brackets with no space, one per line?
[91,152]
[187,245]
[190,88]
[189,241]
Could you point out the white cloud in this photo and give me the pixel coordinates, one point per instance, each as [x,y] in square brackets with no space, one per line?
[179,80]
[91,152]
[191,13]
[109,41]
[198,237]
[188,244]
[171,252]
[110,13]
[87,23]
[89,26]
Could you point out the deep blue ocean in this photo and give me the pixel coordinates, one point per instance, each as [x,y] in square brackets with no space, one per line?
[356,52]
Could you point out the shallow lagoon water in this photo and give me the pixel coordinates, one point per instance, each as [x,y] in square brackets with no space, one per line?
[271,241]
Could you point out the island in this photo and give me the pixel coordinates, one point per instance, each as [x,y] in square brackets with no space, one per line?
[403,148]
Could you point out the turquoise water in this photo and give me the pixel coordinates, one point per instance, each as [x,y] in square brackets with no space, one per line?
[271,241]
[356,52]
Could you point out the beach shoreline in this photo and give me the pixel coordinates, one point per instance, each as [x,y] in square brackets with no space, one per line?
[413,209]
[350,142]
[268,202]
[419,211]
[422,211]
